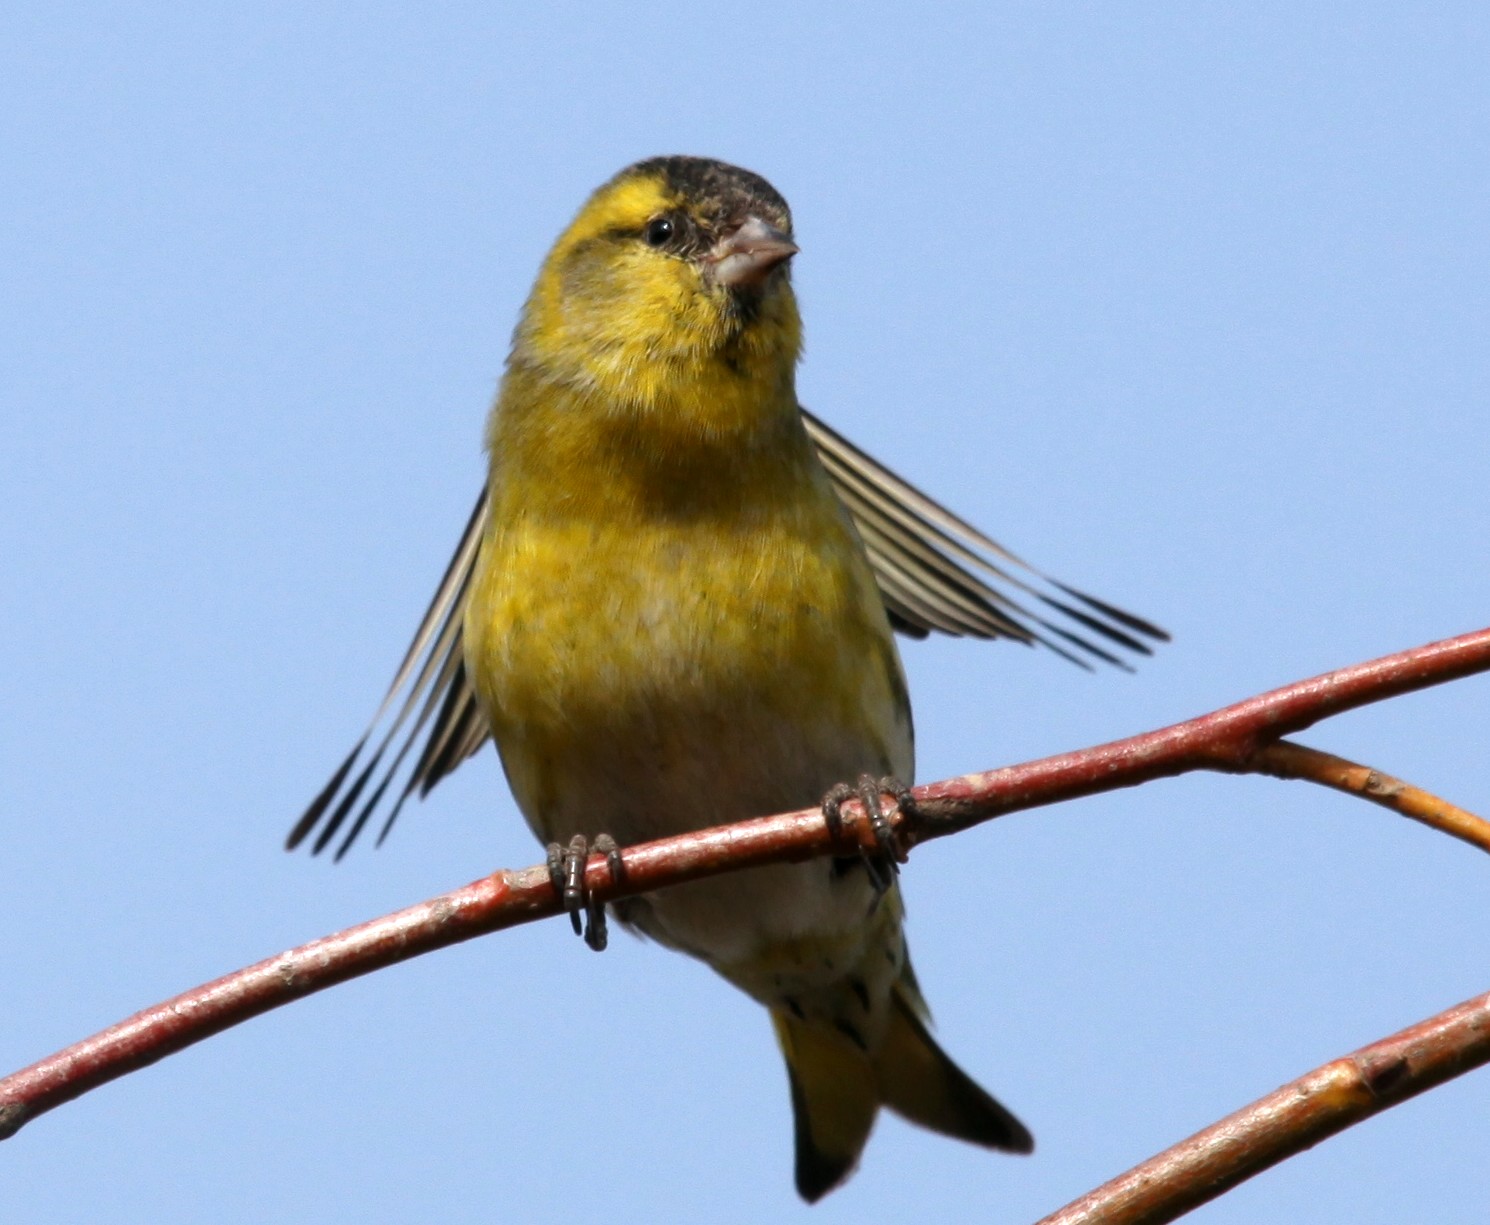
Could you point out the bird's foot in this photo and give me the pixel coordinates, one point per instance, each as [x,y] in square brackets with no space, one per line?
[566,869]
[884,863]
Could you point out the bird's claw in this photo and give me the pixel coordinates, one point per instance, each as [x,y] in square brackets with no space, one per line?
[884,864]
[566,871]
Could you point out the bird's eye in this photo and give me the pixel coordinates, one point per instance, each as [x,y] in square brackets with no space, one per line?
[660,231]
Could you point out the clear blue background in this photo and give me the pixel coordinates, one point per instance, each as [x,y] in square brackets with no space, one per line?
[1186,304]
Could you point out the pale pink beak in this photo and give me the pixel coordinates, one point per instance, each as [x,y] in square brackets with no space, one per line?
[744,257]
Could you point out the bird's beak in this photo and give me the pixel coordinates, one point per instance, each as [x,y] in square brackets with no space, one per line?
[743,258]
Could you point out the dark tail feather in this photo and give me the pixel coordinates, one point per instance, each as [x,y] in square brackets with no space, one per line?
[838,1088]
[919,1082]
[834,1101]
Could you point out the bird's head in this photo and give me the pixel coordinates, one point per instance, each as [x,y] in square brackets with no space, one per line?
[677,269]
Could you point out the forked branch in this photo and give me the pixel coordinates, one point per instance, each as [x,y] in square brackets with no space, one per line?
[1244,738]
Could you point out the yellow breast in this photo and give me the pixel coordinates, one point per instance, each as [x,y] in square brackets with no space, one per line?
[700,657]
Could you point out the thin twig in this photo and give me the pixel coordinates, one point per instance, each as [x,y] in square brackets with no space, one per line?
[1287,759]
[1228,739]
[1289,1120]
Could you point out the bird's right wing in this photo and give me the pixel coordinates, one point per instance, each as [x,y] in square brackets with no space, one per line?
[435,703]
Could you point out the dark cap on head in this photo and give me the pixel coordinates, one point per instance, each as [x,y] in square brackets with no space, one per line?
[727,193]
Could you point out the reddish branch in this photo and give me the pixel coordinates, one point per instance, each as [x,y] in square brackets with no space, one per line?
[1238,739]
[1290,1119]
[1228,739]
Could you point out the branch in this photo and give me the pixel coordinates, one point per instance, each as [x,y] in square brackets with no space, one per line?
[1232,739]
[1289,1120]
[1284,759]
[1228,739]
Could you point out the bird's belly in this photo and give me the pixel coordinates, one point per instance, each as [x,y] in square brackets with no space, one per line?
[681,689]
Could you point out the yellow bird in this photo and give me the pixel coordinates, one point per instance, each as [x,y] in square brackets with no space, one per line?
[673,609]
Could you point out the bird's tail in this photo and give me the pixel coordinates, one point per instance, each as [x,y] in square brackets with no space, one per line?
[838,1087]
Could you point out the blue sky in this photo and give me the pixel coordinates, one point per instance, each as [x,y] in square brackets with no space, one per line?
[1185,304]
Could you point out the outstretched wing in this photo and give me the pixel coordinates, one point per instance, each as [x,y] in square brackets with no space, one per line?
[934,570]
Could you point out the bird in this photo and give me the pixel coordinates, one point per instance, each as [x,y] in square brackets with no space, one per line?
[674,606]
